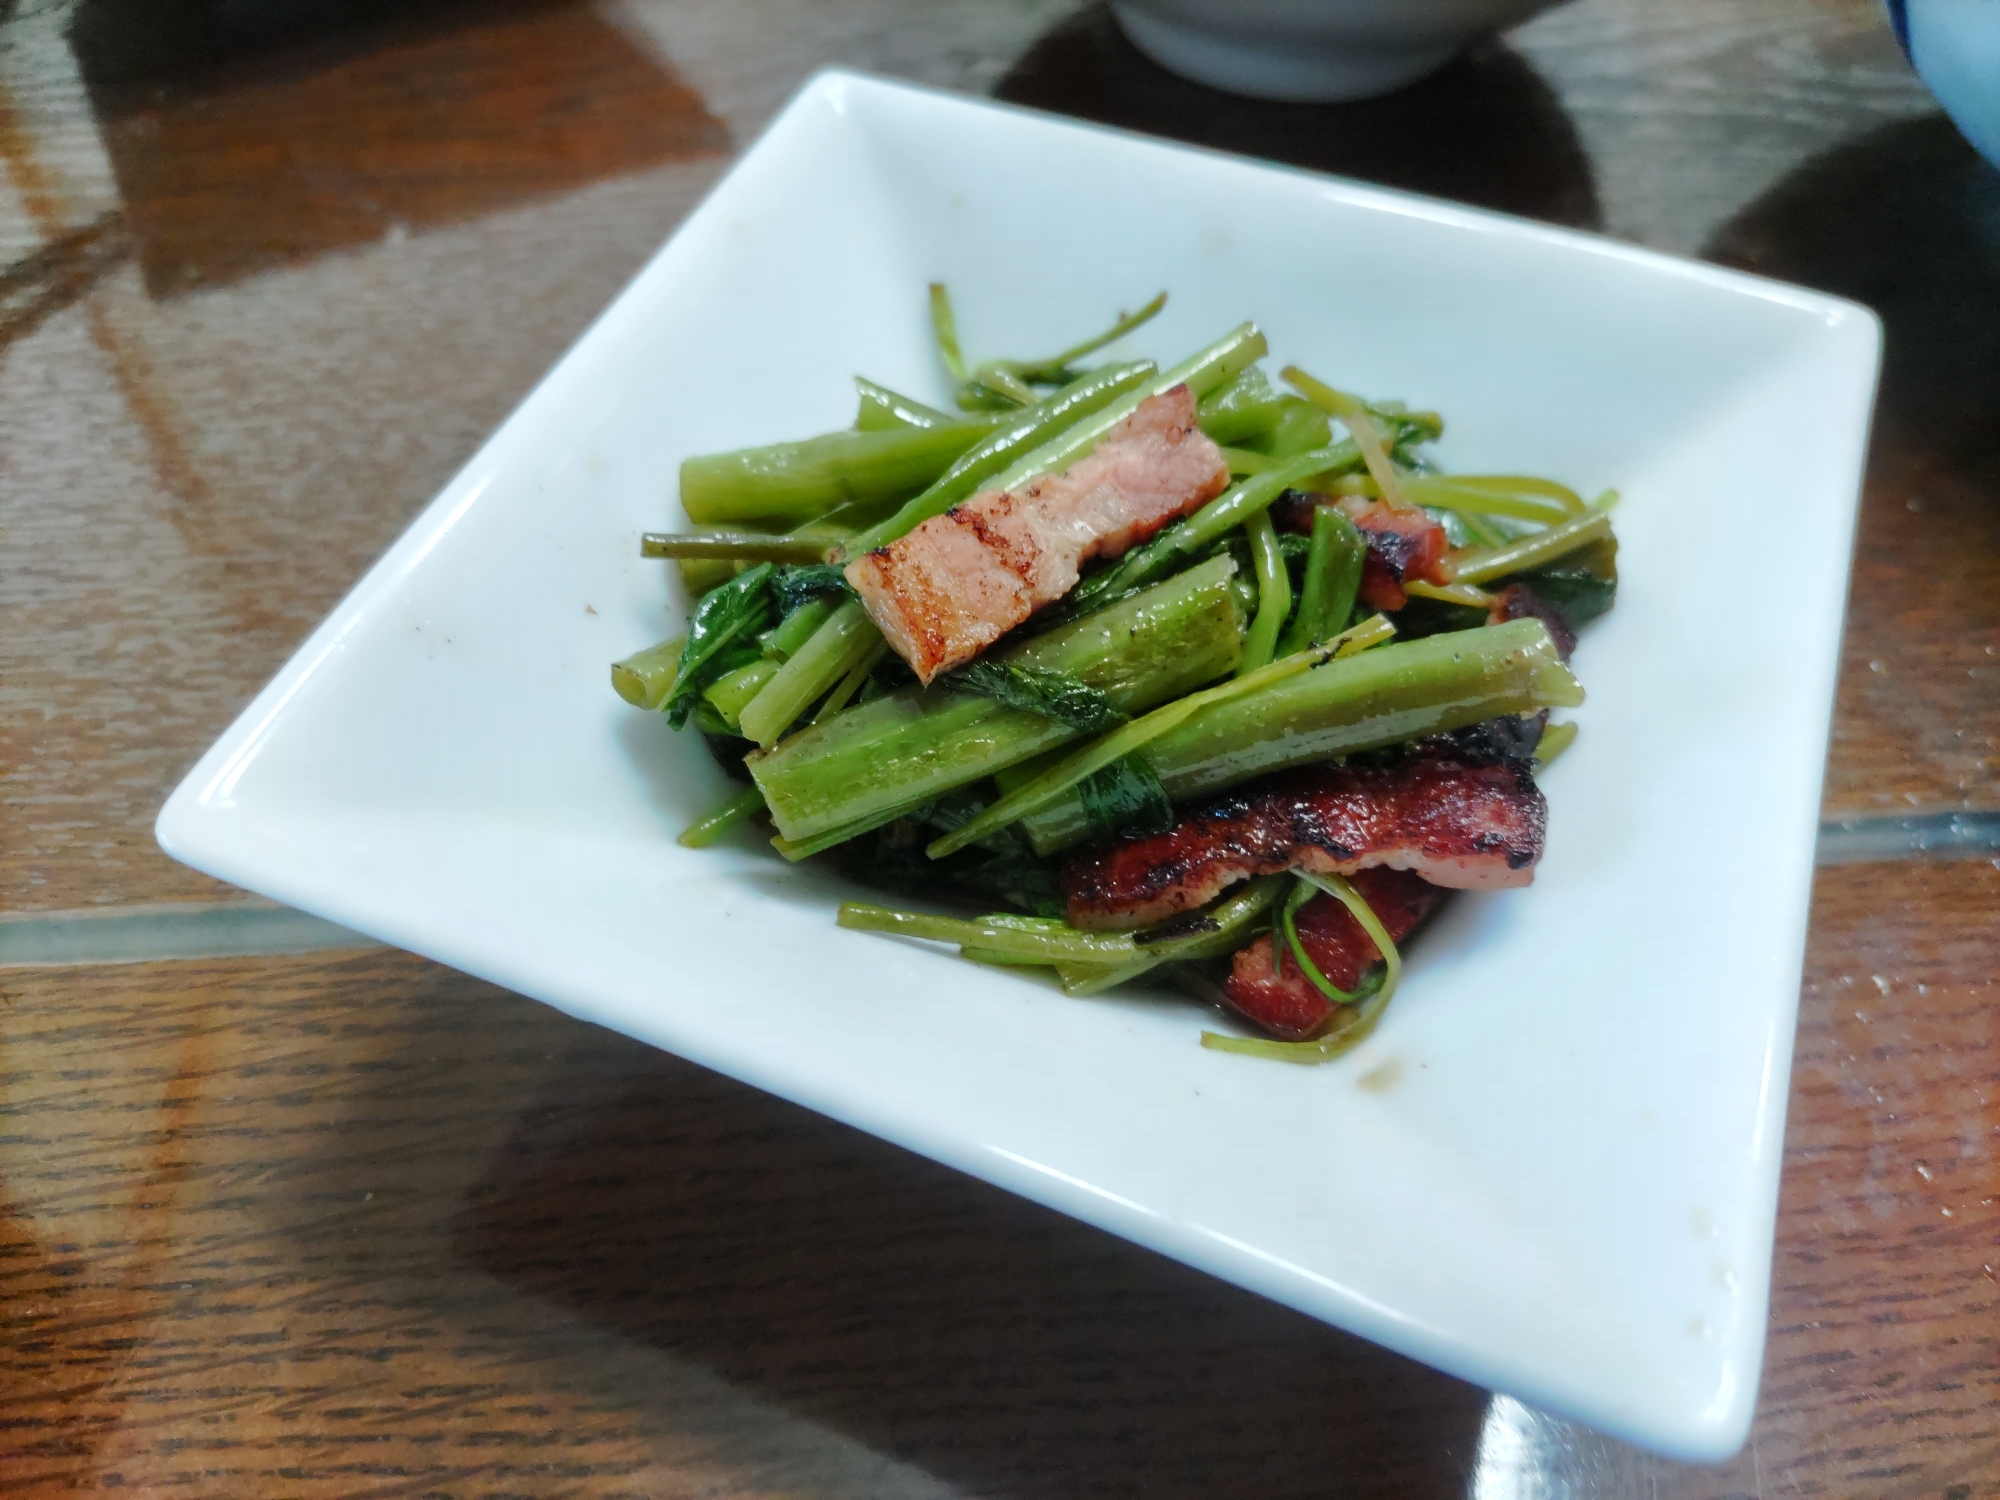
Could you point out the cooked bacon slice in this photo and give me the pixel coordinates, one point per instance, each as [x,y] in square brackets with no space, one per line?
[1280,998]
[1403,543]
[960,581]
[1468,827]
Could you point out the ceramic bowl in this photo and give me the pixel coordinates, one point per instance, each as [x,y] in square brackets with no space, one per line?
[1312,50]
[1955,47]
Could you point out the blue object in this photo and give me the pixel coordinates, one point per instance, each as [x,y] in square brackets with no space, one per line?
[1955,47]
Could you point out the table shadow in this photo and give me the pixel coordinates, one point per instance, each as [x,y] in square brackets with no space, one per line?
[248,137]
[997,1346]
[1484,130]
[1907,220]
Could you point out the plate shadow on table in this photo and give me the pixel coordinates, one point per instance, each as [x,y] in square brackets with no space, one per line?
[999,1347]
[249,137]
[1485,130]
[1907,220]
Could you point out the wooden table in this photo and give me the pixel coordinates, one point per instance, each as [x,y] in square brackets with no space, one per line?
[278,1218]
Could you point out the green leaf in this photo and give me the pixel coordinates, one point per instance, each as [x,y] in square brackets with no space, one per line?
[1054,695]
[1578,595]
[734,612]
[1125,797]
[794,586]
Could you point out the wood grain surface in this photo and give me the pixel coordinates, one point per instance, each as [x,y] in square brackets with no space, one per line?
[354,1225]
[363,1226]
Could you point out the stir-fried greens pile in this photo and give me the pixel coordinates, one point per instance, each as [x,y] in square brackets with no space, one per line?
[1199,676]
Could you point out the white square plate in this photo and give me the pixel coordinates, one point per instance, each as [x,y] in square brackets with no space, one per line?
[1560,1176]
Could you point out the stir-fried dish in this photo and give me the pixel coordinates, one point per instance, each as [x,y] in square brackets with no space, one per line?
[1181,673]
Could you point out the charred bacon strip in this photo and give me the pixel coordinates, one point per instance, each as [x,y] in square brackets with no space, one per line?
[1403,543]
[1279,998]
[1467,827]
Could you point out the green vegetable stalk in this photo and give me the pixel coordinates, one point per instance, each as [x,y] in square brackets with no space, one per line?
[732,691]
[1058,369]
[1349,1025]
[1386,696]
[1274,594]
[645,678]
[1011,382]
[1005,938]
[1071,773]
[1536,549]
[1201,372]
[1301,426]
[883,410]
[1303,890]
[791,483]
[861,768]
[1555,739]
[732,546]
[1089,961]
[1232,508]
[1473,495]
[1357,418]
[851,684]
[1221,932]
[820,661]
[744,805]
[1332,581]
[783,640]
[1245,411]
